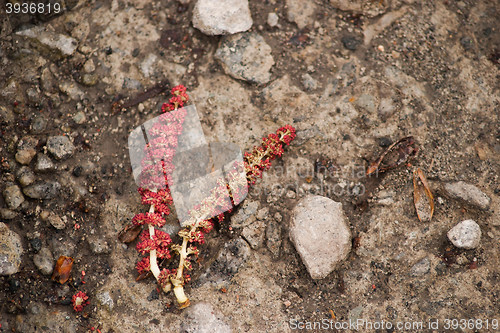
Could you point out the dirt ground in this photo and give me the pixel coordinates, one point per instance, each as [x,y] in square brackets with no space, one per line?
[429,69]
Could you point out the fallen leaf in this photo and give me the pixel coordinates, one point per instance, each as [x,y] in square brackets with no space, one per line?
[129,233]
[396,154]
[422,196]
[63,269]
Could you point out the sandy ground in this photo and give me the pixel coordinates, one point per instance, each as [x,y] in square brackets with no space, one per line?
[351,82]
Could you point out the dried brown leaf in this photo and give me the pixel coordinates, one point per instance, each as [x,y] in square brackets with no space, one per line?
[63,269]
[422,197]
[129,233]
[396,154]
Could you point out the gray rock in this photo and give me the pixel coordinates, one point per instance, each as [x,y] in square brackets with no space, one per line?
[7,214]
[254,234]
[234,255]
[243,216]
[468,193]
[368,8]
[105,300]
[222,17]
[272,19]
[203,318]
[308,82]
[301,12]
[465,235]
[26,149]
[79,118]
[62,44]
[38,124]
[13,196]
[44,261]
[11,250]
[60,147]
[25,176]
[43,190]
[246,56]
[320,234]
[421,268]
[44,164]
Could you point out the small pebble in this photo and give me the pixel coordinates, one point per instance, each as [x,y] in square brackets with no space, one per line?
[25,176]
[465,235]
[272,19]
[60,147]
[13,196]
[44,261]
[44,164]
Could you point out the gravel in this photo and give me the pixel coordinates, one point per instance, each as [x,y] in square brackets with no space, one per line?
[465,235]
[43,190]
[421,268]
[246,56]
[468,193]
[25,176]
[26,149]
[60,147]
[222,17]
[234,255]
[44,261]
[11,250]
[44,164]
[320,233]
[13,196]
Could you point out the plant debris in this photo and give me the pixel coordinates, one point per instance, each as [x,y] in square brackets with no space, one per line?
[63,269]
[398,153]
[422,196]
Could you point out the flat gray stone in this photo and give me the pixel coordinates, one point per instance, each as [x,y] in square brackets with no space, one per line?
[465,235]
[246,56]
[60,147]
[11,250]
[62,44]
[320,233]
[44,261]
[13,196]
[468,193]
[43,190]
[203,318]
[222,17]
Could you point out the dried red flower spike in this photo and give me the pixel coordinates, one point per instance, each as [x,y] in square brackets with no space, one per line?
[79,300]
